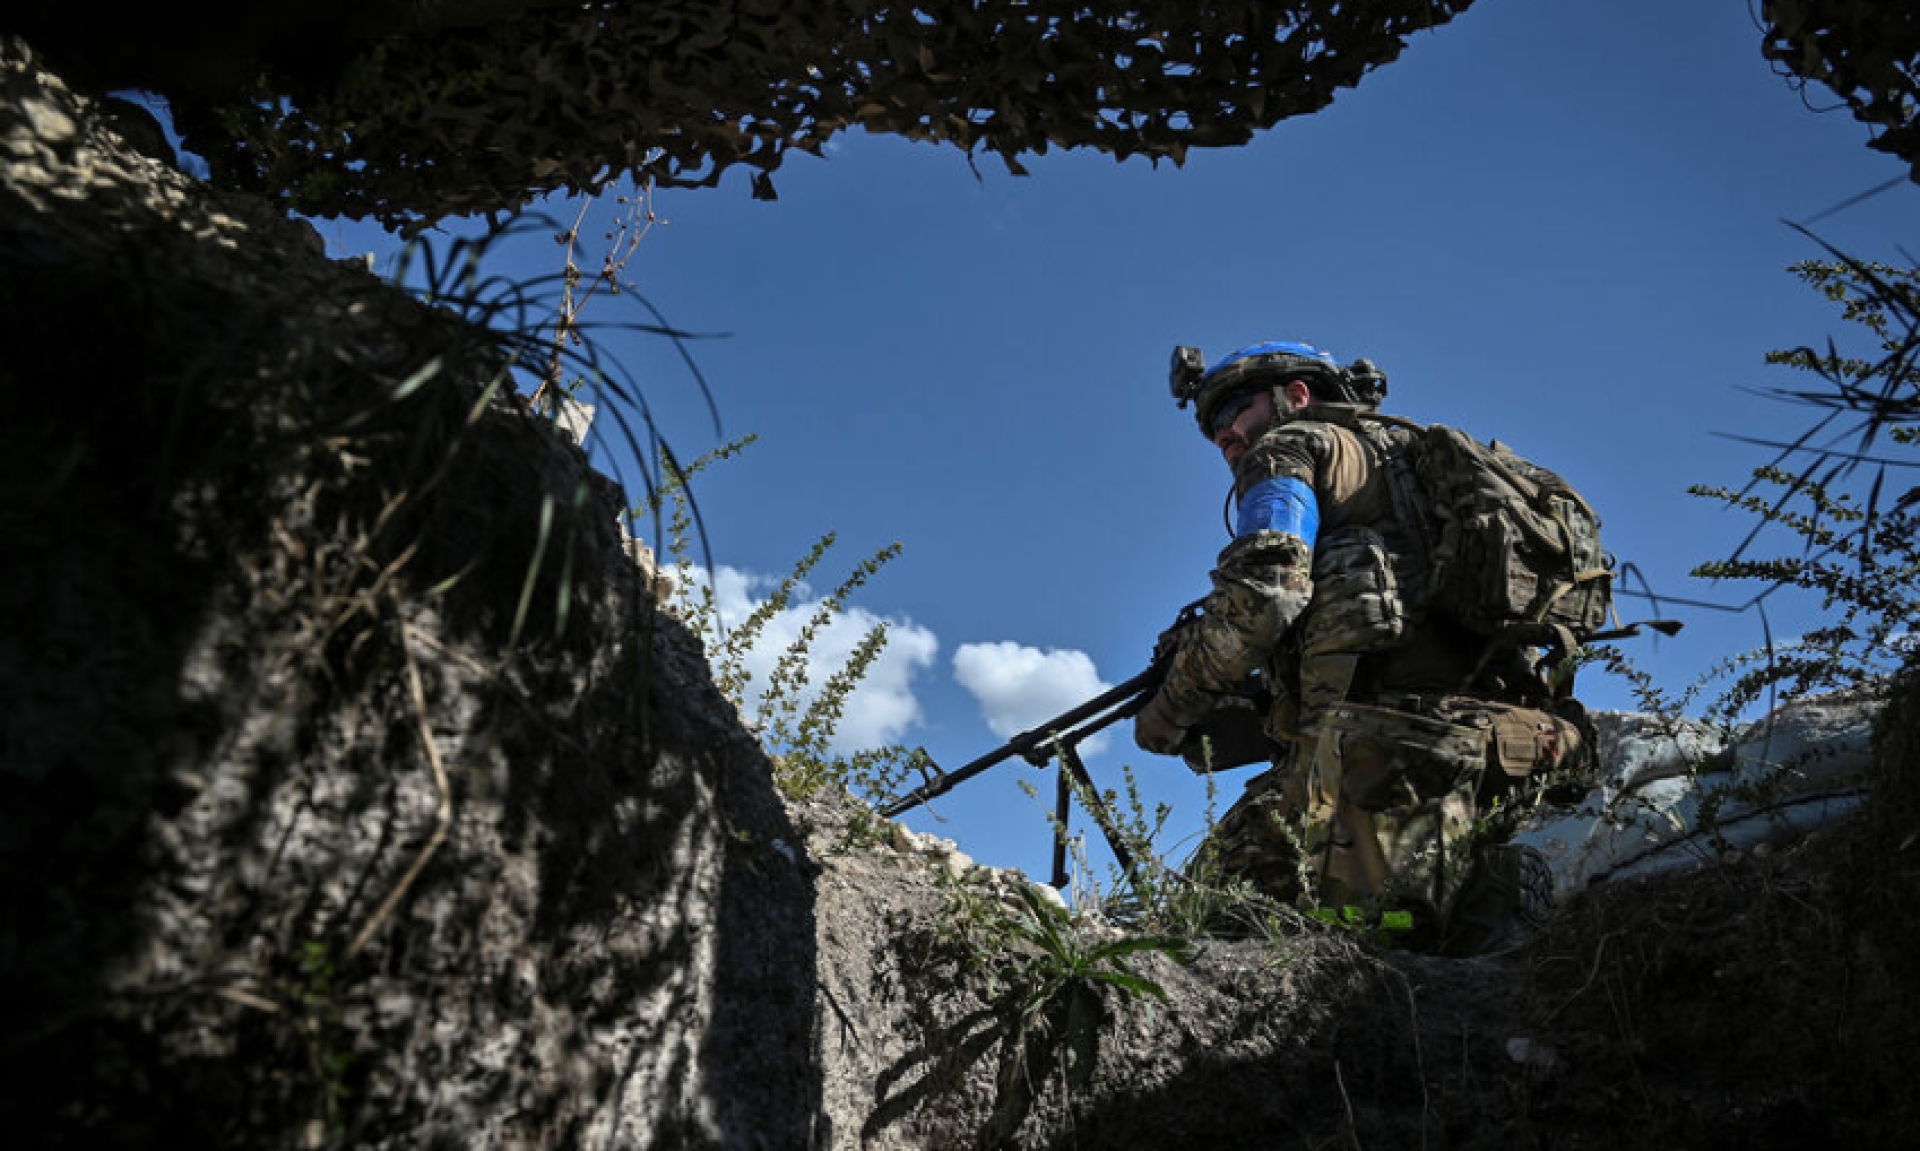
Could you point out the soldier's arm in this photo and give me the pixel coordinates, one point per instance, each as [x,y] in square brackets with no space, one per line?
[1261,585]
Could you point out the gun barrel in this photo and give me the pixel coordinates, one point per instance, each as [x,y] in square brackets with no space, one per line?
[1132,693]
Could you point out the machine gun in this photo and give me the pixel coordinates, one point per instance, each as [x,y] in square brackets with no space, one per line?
[1061,737]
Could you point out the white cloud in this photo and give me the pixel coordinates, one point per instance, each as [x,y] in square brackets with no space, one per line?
[882,708]
[1021,687]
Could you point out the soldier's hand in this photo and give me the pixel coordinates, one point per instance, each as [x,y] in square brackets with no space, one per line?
[1154,731]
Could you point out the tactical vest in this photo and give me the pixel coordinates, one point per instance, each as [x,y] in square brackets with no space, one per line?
[1479,535]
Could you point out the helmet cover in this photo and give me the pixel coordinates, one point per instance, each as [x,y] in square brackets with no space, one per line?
[1270,364]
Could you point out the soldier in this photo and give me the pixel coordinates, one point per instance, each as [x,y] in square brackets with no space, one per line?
[1394,729]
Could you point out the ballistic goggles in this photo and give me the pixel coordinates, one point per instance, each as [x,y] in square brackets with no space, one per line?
[1229,410]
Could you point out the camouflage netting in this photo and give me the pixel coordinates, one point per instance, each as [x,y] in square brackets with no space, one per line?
[1866,51]
[445,120]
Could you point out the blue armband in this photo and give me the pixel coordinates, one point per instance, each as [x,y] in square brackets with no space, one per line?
[1279,504]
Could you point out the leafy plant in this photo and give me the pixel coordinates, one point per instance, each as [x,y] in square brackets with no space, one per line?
[1377,924]
[1826,490]
[1052,978]
[796,717]
[1856,553]
[1195,900]
[1056,977]
[314,1007]
[1865,568]
[1158,898]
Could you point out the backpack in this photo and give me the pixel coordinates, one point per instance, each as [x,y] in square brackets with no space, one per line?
[1508,539]
[1505,540]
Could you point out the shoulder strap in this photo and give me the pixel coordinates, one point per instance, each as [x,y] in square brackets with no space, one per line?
[1410,503]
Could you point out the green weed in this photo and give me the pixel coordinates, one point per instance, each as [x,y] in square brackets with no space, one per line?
[1053,980]
[1374,922]
[315,1009]
[1857,549]
[796,718]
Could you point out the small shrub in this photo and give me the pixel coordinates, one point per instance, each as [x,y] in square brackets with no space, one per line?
[1857,549]
[1053,979]
[795,717]
[1854,541]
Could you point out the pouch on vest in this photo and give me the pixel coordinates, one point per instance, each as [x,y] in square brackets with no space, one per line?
[1523,740]
[1356,608]
[1526,741]
[1380,758]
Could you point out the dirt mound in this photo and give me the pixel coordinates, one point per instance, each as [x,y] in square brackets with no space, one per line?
[1765,1003]
[352,792]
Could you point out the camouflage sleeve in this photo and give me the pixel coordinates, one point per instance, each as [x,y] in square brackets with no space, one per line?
[1262,582]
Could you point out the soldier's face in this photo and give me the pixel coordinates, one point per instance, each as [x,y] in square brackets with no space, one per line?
[1233,438]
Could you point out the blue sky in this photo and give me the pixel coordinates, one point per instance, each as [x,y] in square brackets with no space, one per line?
[1557,223]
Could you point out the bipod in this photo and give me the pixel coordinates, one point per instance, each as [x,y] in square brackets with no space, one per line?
[1066,748]
[1059,736]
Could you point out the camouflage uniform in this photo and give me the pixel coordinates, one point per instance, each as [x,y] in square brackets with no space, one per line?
[1384,764]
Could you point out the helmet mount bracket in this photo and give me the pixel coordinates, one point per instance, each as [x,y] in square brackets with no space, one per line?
[1185,374]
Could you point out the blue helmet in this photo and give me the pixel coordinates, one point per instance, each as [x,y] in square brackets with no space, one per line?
[1256,365]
